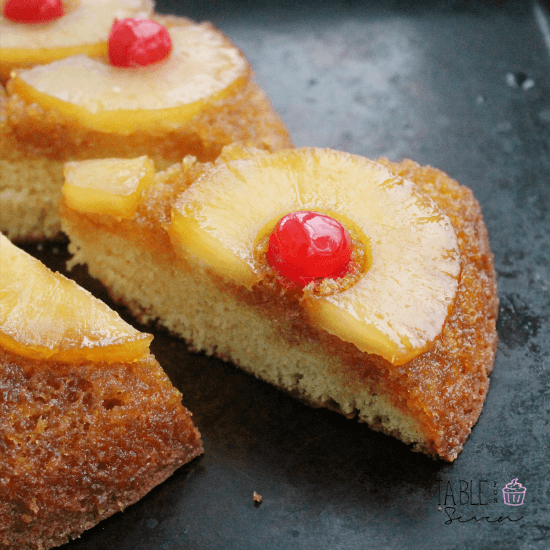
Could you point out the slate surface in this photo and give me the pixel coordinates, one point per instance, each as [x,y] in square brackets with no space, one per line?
[463,86]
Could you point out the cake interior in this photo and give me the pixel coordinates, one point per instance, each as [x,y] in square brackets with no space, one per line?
[81,442]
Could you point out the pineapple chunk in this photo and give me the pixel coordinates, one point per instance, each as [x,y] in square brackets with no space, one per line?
[399,304]
[107,186]
[84,29]
[46,316]
[203,67]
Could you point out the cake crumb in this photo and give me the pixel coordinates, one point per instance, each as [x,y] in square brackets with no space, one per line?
[257,498]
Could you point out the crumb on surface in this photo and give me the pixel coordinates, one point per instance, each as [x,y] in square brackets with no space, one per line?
[257,498]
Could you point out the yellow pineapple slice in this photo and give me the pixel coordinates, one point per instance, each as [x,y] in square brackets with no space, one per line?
[107,186]
[398,305]
[84,29]
[44,315]
[203,67]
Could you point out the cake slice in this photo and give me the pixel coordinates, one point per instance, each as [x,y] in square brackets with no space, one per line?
[90,422]
[194,97]
[365,287]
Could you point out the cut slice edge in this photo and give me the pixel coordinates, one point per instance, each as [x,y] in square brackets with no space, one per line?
[45,316]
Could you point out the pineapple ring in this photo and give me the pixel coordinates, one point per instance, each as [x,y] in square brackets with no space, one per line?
[398,306]
[46,316]
[202,68]
[116,193]
[84,29]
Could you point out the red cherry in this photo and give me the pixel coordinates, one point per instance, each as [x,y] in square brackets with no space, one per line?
[305,246]
[138,42]
[33,11]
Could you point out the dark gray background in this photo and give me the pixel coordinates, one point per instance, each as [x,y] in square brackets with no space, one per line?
[461,85]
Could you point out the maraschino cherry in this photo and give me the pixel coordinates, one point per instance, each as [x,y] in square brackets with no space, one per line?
[33,11]
[138,42]
[305,246]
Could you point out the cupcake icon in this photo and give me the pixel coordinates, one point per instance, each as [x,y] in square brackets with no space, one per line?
[514,493]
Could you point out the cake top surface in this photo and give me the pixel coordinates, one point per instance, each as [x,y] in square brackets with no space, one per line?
[202,67]
[201,64]
[404,280]
[408,280]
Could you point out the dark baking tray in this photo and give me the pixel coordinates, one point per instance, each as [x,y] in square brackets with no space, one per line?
[461,85]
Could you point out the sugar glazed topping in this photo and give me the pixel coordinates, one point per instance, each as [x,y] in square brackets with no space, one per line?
[201,64]
[398,305]
[356,254]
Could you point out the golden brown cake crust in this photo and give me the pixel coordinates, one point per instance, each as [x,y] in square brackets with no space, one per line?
[443,390]
[75,445]
[454,372]
[246,116]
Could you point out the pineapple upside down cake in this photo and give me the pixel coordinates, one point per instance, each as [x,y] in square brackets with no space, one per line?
[89,422]
[107,79]
[365,287]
